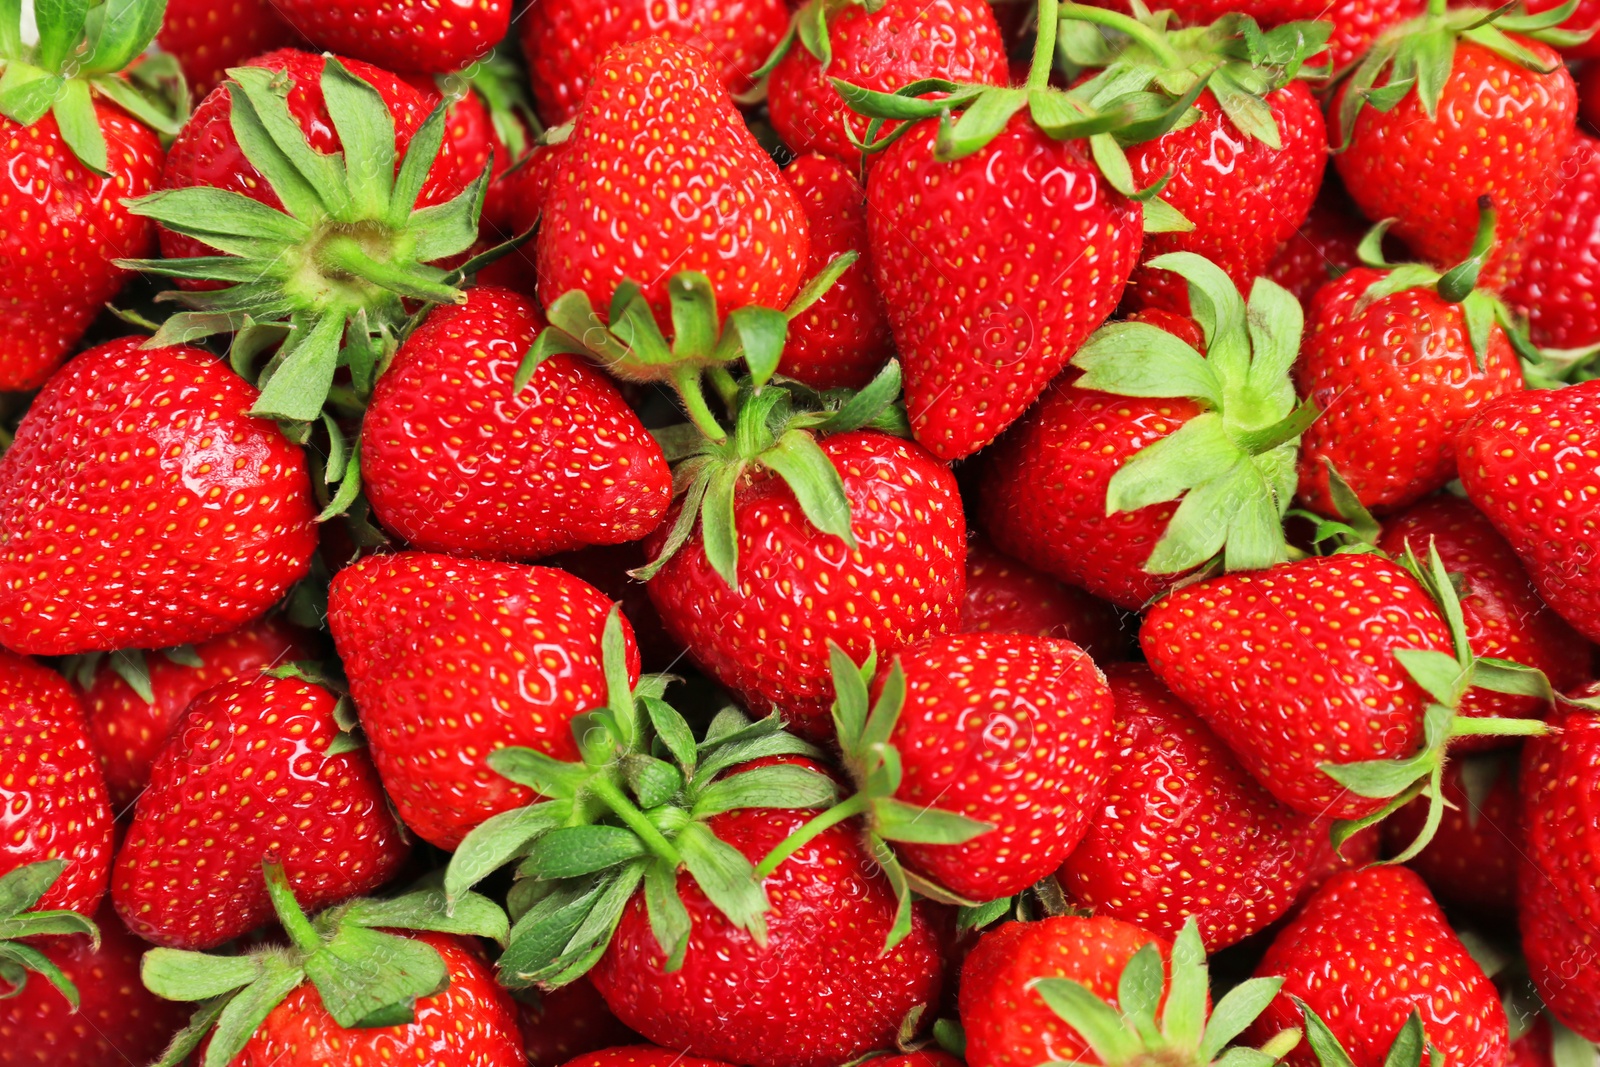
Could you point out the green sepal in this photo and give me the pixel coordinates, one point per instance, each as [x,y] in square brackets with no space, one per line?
[21,888]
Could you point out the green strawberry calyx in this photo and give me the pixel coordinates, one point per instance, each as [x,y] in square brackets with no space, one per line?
[1234,465]
[20,889]
[1233,58]
[630,344]
[776,428]
[501,85]
[83,51]
[809,27]
[1419,54]
[364,975]
[874,765]
[327,277]
[1141,1031]
[1408,1049]
[628,816]
[130,664]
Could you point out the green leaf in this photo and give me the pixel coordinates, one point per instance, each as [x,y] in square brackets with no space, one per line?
[80,125]
[1439,673]
[653,781]
[820,283]
[1217,306]
[122,31]
[446,229]
[1139,990]
[767,787]
[250,92]
[544,930]
[1137,359]
[1183,1019]
[850,698]
[26,92]
[1199,529]
[299,387]
[18,960]
[867,404]
[174,974]
[1162,217]
[414,168]
[808,472]
[542,773]
[895,820]
[1250,114]
[902,104]
[1380,779]
[1199,451]
[577,850]
[363,974]
[1322,1040]
[249,1007]
[23,887]
[673,731]
[366,133]
[1237,1010]
[1409,1044]
[727,879]
[1113,163]
[718,535]
[1515,679]
[349,489]
[979,124]
[188,1040]
[428,908]
[762,333]
[1255,538]
[694,316]
[11,28]
[1276,323]
[61,25]
[589,942]
[1096,1021]
[669,919]
[1567,1049]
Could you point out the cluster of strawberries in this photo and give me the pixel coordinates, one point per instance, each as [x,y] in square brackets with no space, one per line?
[496,570]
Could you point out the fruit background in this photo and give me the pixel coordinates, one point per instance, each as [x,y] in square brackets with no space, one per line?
[733,533]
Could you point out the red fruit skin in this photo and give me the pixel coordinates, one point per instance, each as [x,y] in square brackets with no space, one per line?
[570,1022]
[1589,96]
[1273,660]
[1561,269]
[1367,951]
[143,507]
[470,1024]
[606,568]
[207,37]
[1181,830]
[206,152]
[1473,860]
[431,721]
[710,199]
[404,35]
[1008,730]
[117,1019]
[1008,597]
[128,733]
[1323,247]
[799,589]
[902,42]
[820,993]
[249,762]
[1043,497]
[1532,1049]
[1007,1023]
[920,1058]
[1504,617]
[1527,463]
[454,460]
[1358,23]
[994,269]
[566,40]
[1559,888]
[641,1056]
[1513,125]
[1362,848]
[1244,197]
[1395,380]
[842,340]
[62,227]
[52,792]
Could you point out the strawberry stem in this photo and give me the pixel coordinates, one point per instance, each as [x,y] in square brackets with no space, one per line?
[686,380]
[1124,24]
[346,254]
[301,933]
[634,819]
[1044,48]
[849,809]
[1494,726]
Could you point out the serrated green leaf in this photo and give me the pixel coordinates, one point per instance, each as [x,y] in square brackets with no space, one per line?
[1198,452]
[363,974]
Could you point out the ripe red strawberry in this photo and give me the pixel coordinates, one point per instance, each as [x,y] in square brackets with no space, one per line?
[798,587]
[116,1019]
[144,507]
[608,568]
[1367,951]
[455,458]
[879,47]
[641,1056]
[1559,888]
[1504,617]
[54,792]
[1007,597]
[1181,830]
[1323,248]
[207,38]
[410,35]
[431,722]
[566,41]
[564,1023]
[1359,23]
[1473,860]
[129,731]
[1521,463]
[1273,661]
[260,763]
[1513,122]
[712,201]
[842,340]
[1395,373]
[1555,287]
[1326,861]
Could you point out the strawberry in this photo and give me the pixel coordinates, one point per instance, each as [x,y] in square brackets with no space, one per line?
[842,340]
[1322,249]
[208,38]
[609,569]
[228,767]
[879,46]
[74,144]
[1008,597]
[1520,463]
[1557,887]
[115,1019]
[132,707]
[1397,360]
[556,464]
[641,1056]
[431,723]
[1553,287]
[1359,23]
[567,41]
[1473,859]
[144,507]
[412,35]
[1328,859]
[1367,951]
[1503,616]
[345,991]
[55,794]
[1181,831]
[1087,487]
[1455,87]
[565,1023]
[1097,991]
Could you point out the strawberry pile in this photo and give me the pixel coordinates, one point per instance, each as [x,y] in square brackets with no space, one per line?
[734,533]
